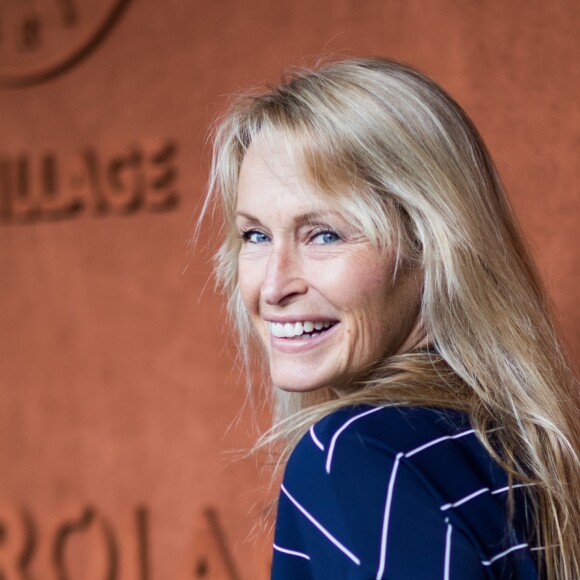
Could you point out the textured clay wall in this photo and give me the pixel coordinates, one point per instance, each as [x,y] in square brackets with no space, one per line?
[116,381]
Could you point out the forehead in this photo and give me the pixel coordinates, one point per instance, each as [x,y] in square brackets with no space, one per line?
[271,176]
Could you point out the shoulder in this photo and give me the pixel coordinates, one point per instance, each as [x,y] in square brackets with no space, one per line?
[367,472]
[354,453]
[352,474]
[399,426]
[391,430]
[438,445]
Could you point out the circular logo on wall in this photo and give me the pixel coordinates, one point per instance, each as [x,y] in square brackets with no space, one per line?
[41,39]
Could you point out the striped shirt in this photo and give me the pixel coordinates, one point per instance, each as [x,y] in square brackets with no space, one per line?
[397,493]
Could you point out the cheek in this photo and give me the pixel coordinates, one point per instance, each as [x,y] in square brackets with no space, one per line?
[366,289]
[366,295]
[249,284]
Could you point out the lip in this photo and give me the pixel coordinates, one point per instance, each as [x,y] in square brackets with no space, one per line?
[286,345]
[301,318]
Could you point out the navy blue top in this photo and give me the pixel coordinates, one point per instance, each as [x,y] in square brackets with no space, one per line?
[397,493]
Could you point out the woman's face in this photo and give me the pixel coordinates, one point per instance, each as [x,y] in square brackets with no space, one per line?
[319,294]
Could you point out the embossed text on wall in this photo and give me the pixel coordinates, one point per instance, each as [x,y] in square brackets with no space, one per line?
[41,186]
[40,40]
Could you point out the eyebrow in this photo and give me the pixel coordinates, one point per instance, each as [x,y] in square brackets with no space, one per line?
[307,217]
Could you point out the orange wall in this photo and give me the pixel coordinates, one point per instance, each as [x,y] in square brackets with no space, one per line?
[116,390]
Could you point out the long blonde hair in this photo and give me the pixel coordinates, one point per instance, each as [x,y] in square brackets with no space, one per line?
[404,162]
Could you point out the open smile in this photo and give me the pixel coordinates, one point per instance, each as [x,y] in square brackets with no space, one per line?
[301,330]
[301,336]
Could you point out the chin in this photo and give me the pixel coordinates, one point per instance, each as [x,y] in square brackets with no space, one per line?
[295,386]
[291,381]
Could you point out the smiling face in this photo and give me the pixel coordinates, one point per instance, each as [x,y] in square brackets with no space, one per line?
[320,295]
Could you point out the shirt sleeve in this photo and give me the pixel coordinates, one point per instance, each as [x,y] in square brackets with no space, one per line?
[351,507]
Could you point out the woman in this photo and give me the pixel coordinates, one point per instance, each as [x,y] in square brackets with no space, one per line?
[426,412]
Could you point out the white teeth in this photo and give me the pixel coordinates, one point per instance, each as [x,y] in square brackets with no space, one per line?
[277,329]
[297,329]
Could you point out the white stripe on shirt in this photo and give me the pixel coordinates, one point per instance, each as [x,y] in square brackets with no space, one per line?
[447,551]
[479,492]
[383,559]
[340,546]
[341,429]
[465,499]
[315,438]
[438,440]
[502,554]
[501,489]
[291,552]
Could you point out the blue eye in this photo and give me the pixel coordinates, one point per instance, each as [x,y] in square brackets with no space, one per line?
[325,237]
[254,237]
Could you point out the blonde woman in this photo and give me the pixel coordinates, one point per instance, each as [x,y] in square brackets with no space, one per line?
[427,418]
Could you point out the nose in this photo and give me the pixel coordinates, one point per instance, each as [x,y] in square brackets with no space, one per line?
[284,279]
